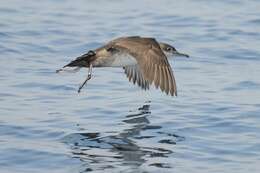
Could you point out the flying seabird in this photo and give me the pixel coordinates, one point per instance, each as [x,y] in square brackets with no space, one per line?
[143,59]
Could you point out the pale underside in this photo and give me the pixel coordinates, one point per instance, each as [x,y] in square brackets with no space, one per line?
[144,63]
[119,60]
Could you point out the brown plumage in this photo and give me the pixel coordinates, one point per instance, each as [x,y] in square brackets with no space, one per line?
[143,60]
[152,64]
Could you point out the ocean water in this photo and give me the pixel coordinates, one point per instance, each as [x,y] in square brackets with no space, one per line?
[113,126]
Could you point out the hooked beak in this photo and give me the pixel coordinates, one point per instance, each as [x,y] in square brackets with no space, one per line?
[176,53]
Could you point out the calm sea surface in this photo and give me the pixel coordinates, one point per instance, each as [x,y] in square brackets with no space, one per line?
[113,126]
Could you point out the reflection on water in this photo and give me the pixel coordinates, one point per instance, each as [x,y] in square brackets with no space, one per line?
[99,152]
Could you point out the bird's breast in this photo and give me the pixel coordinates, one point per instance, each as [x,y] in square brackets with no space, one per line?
[121,60]
[117,60]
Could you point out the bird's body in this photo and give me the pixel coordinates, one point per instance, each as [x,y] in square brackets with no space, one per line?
[143,59]
[119,59]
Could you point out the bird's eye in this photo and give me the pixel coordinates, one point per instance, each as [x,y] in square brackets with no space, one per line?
[168,48]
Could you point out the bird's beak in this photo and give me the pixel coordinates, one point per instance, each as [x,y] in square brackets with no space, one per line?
[176,53]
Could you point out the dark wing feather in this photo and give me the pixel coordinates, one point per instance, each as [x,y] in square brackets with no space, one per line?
[152,63]
[138,78]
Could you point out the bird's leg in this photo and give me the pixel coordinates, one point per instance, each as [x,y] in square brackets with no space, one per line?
[88,78]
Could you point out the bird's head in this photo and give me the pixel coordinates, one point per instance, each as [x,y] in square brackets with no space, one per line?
[169,50]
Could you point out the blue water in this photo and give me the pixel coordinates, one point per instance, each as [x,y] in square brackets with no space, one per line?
[113,126]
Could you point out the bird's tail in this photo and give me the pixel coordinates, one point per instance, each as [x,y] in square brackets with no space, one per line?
[81,61]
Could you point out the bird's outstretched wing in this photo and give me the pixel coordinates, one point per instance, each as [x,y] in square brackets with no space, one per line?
[134,74]
[152,63]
